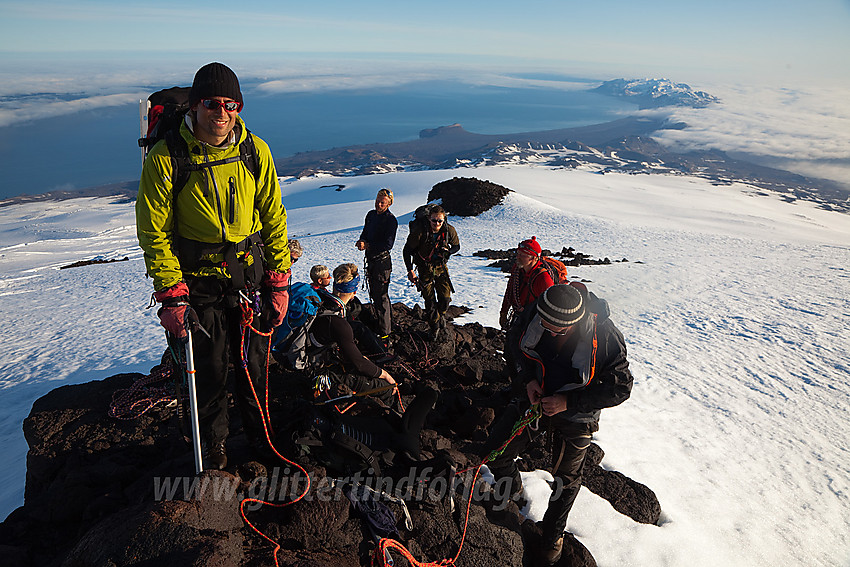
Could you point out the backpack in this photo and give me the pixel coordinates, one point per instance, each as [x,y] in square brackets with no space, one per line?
[420,223]
[556,269]
[164,111]
[291,341]
[348,444]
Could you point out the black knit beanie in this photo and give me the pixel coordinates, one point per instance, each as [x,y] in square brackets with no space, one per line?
[214,79]
[561,306]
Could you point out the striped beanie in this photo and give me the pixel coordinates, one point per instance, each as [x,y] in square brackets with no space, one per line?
[561,306]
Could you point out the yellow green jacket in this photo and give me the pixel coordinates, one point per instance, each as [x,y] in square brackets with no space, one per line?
[218,204]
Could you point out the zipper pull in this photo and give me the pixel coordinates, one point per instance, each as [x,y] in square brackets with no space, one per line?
[232,201]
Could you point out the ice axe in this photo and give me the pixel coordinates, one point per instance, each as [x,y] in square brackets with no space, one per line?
[362,394]
[192,321]
[193,404]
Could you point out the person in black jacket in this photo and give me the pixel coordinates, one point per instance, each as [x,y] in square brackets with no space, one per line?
[573,361]
[377,239]
[429,247]
[358,373]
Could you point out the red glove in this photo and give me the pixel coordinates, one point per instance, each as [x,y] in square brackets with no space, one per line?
[277,284]
[175,308]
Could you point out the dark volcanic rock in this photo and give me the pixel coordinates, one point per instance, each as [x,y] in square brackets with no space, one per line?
[467,196]
[104,492]
[205,531]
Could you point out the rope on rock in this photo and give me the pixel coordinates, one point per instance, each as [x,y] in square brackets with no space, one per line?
[142,396]
[382,557]
[247,328]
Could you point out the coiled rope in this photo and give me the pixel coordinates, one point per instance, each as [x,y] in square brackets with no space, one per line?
[142,396]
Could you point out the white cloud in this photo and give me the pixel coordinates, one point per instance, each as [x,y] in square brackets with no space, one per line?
[35,110]
[808,130]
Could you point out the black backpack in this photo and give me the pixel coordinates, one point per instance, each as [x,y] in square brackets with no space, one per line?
[292,344]
[420,221]
[165,111]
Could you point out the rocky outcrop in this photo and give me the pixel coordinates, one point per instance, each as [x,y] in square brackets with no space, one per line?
[467,196]
[106,492]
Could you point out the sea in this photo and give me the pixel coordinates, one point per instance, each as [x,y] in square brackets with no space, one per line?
[99,146]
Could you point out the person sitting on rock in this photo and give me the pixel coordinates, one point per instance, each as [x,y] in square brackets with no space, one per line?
[573,361]
[295,249]
[353,370]
[320,276]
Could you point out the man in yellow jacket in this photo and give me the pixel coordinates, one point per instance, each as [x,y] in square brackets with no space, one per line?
[216,247]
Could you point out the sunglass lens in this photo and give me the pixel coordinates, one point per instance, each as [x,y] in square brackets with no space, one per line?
[229,106]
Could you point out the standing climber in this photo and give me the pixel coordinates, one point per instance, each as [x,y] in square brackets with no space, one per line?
[428,247]
[214,246]
[573,361]
[377,240]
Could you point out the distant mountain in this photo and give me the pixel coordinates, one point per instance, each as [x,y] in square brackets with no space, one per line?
[655,93]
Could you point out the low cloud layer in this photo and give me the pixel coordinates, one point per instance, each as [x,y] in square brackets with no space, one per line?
[803,130]
[40,107]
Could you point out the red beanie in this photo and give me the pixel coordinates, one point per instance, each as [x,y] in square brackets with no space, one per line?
[530,246]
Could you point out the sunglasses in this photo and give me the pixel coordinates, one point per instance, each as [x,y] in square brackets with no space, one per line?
[437,221]
[229,106]
[556,331]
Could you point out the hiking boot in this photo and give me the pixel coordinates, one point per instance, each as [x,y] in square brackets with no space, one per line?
[550,554]
[215,456]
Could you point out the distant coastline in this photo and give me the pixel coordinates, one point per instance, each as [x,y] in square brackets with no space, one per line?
[623,145]
[433,146]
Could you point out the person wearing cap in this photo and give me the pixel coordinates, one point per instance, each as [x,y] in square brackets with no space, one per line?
[572,359]
[350,368]
[376,240]
[529,278]
[220,239]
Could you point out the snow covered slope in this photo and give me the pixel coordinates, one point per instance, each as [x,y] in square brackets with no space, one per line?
[734,306]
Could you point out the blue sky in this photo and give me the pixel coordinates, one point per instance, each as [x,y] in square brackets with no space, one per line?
[761,40]
[779,67]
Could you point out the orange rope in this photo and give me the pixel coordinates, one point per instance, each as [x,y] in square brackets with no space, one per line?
[386,543]
[266,418]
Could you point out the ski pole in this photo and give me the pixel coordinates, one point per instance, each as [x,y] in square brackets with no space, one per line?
[193,404]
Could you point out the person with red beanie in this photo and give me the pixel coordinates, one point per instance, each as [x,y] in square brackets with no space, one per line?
[529,278]
[216,249]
